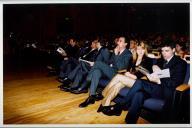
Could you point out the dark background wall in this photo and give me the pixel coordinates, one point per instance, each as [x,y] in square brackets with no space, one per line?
[44,22]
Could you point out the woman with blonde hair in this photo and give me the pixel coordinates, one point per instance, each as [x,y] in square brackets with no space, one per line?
[128,78]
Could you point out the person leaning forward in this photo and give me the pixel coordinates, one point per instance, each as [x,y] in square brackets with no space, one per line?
[119,60]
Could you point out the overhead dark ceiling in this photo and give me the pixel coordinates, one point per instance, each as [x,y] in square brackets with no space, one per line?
[43,21]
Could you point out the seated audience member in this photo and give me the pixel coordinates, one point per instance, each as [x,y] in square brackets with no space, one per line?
[180,49]
[76,76]
[120,81]
[111,45]
[132,47]
[88,54]
[162,88]
[70,60]
[157,41]
[119,60]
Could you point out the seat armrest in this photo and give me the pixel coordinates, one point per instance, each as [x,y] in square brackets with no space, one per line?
[144,78]
[182,87]
[122,71]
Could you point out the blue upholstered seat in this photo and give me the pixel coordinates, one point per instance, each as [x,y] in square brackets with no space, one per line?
[154,104]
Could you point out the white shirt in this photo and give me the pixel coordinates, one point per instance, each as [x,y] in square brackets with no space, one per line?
[169,59]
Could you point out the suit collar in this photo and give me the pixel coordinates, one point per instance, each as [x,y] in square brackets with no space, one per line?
[171,61]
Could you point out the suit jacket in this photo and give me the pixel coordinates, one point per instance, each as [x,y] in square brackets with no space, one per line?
[90,55]
[103,55]
[72,51]
[177,68]
[122,61]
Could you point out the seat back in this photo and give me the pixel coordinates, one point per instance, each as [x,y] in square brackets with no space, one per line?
[187,75]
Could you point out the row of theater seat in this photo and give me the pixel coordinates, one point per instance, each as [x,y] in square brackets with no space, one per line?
[157,105]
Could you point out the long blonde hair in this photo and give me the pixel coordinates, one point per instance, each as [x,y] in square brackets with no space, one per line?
[143,44]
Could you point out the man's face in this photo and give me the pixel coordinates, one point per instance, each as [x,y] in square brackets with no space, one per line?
[132,44]
[116,40]
[72,42]
[167,52]
[94,44]
[121,42]
[177,48]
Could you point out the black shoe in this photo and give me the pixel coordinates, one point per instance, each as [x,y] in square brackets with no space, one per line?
[103,108]
[65,88]
[61,86]
[89,100]
[98,97]
[113,110]
[60,80]
[65,81]
[72,89]
[100,108]
[79,91]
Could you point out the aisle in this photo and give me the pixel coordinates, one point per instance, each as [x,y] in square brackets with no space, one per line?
[39,101]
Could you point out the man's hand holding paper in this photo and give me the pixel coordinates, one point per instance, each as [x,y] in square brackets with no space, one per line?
[154,78]
[158,74]
[61,51]
[165,73]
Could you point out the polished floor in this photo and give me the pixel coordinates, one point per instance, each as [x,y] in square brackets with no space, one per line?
[32,97]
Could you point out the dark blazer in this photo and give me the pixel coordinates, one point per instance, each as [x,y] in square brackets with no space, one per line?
[72,51]
[90,55]
[103,55]
[177,68]
[143,89]
[119,62]
[146,63]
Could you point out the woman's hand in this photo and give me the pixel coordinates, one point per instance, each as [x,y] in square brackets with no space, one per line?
[128,74]
[156,68]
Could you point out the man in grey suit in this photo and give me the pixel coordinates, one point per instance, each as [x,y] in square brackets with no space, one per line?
[119,60]
[84,67]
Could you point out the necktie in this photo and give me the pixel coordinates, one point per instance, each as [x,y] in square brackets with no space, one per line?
[165,64]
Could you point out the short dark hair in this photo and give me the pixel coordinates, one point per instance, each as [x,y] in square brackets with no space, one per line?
[102,42]
[168,43]
[99,39]
[182,45]
[122,36]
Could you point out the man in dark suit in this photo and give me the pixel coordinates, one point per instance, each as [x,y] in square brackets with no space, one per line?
[69,60]
[120,59]
[156,87]
[83,68]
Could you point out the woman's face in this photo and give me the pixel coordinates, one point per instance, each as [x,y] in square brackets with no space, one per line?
[140,51]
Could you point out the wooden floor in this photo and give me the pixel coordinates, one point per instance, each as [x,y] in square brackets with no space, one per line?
[33,98]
